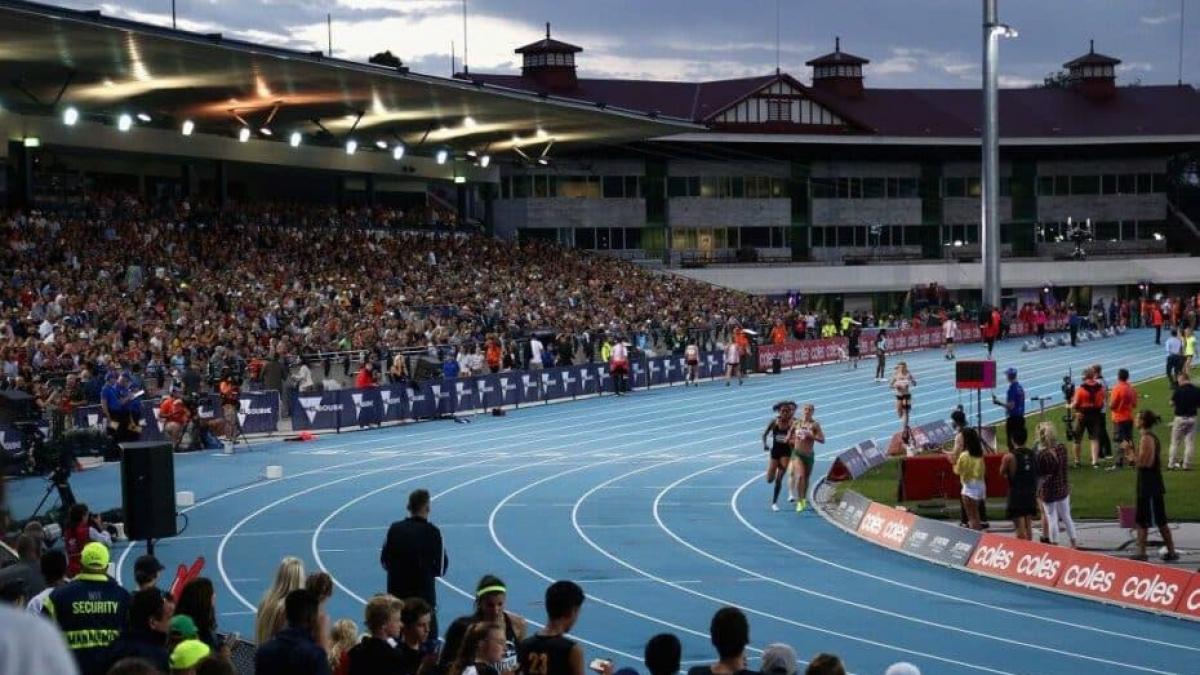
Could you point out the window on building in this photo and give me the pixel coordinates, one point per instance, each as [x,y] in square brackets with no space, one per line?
[909,188]
[1045,186]
[631,187]
[603,240]
[759,237]
[737,187]
[779,110]
[1107,230]
[579,187]
[506,187]
[1127,184]
[1005,186]
[824,188]
[845,235]
[1145,183]
[955,186]
[779,188]
[1108,184]
[585,237]
[974,186]
[874,188]
[1085,185]
[1159,183]
[614,187]
[633,237]
[521,187]
[1062,185]
[677,186]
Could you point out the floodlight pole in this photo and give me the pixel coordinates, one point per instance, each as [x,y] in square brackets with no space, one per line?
[173,26]
[989,223]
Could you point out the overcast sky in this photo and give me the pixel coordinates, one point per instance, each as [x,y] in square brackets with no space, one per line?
[911,43]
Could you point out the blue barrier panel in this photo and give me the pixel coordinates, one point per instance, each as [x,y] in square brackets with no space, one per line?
[466,393]
[587,380]
[569,376]
[510,388]
[552,386]
[422,404]
[676,369]
[603,378]
[442,395]
[637,374]
[529,386]
[361,407]
[393,401]
[656,369]
[712,364]
[316,410]
[258,412]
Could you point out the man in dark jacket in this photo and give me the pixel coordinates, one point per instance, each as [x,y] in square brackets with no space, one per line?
[91,611]
[414,556]
[293,651]
[146,636]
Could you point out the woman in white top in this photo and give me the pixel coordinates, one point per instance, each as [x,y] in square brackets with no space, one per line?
[950,334]
[902,383]
[733,360]
[691,360]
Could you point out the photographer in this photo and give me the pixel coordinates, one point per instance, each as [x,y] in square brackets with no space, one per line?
[173,415]
[230,389]
[81,528]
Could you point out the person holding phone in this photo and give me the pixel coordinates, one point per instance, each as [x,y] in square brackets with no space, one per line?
[550,651]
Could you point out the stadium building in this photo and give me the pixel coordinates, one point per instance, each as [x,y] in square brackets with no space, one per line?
[832,171]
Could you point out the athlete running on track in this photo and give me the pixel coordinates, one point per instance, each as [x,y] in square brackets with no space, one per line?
[902,383]
[779,429]
[691,359]
[806,432]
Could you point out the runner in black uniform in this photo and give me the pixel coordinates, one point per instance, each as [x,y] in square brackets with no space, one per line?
[549,652]
[779,429]
[490,598]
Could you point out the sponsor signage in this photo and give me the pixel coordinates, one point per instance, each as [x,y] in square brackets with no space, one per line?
[569,377]
[316,410]
[1127,581]
[361,407]
[885,525]
[1025,561]
[849,509]
[657,368]
[258,412]
[1189,602]
[853,461]
[552,384]
[942,542]
[465,395]
[586,379]
[392,401]
[529,387]
[637,374]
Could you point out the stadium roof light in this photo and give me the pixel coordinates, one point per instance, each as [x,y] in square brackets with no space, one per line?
[143,117]
[485,161]
[124,122]
[266,131]
[33,142]
[381,144]
[188,127]
[294,139]
[70,116]
[441,156]
[459,180]
[398,152]
[542,133]
[243,134]
[469,122]
[351,146]
[543,161]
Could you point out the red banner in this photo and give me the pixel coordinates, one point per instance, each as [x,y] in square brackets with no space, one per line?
[885,525]
[1135,583]
[1189,604]
[1032,563]
[801,352]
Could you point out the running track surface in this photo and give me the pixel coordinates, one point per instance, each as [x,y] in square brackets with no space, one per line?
[656,503]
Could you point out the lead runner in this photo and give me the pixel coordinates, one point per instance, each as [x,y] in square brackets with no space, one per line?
[806,432]
[779,429]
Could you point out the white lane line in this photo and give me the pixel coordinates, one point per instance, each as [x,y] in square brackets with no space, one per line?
[721,602]
[838,600]
[733,505]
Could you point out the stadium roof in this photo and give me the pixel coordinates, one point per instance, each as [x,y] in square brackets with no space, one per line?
[52,57]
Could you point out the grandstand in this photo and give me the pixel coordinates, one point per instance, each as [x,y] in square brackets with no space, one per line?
[317,286]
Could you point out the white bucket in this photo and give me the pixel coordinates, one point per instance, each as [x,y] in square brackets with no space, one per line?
[185,498]
[274,472]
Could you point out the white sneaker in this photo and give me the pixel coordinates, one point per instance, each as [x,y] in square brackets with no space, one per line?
[792,498]
[774,506]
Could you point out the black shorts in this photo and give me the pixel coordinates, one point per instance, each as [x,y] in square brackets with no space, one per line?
[949,341]
[1090,422]
[1123,431]
[1151,511]
[1011,423]
[781,451]
[693,363]
[905,401]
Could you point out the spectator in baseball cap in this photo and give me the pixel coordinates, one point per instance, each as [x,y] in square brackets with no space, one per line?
[91,610]
[146,571]
[187,655]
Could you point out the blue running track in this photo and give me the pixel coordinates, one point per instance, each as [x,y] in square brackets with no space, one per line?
[656,503]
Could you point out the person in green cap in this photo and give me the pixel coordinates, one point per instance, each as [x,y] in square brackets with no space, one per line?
[187,655]
[91,611]
[181,628]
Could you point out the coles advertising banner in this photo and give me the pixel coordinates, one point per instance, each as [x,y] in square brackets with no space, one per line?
[1025,561]
[801,352]
[1189,604]
[942,542]
[1136,583]
[885,525]
[850,509]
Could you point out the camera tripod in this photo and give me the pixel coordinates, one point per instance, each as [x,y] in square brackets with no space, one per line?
[59,480]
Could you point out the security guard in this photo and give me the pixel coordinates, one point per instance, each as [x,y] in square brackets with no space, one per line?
[91,611]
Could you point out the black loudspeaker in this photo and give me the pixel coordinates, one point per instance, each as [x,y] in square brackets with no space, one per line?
[148,490]
[15,406]
[776,365]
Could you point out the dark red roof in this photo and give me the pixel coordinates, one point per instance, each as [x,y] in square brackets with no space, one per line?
[837,57]
[548,45]
[1092,59]
[1034,112]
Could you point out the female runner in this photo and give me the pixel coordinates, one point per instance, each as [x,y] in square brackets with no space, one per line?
[779,429]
